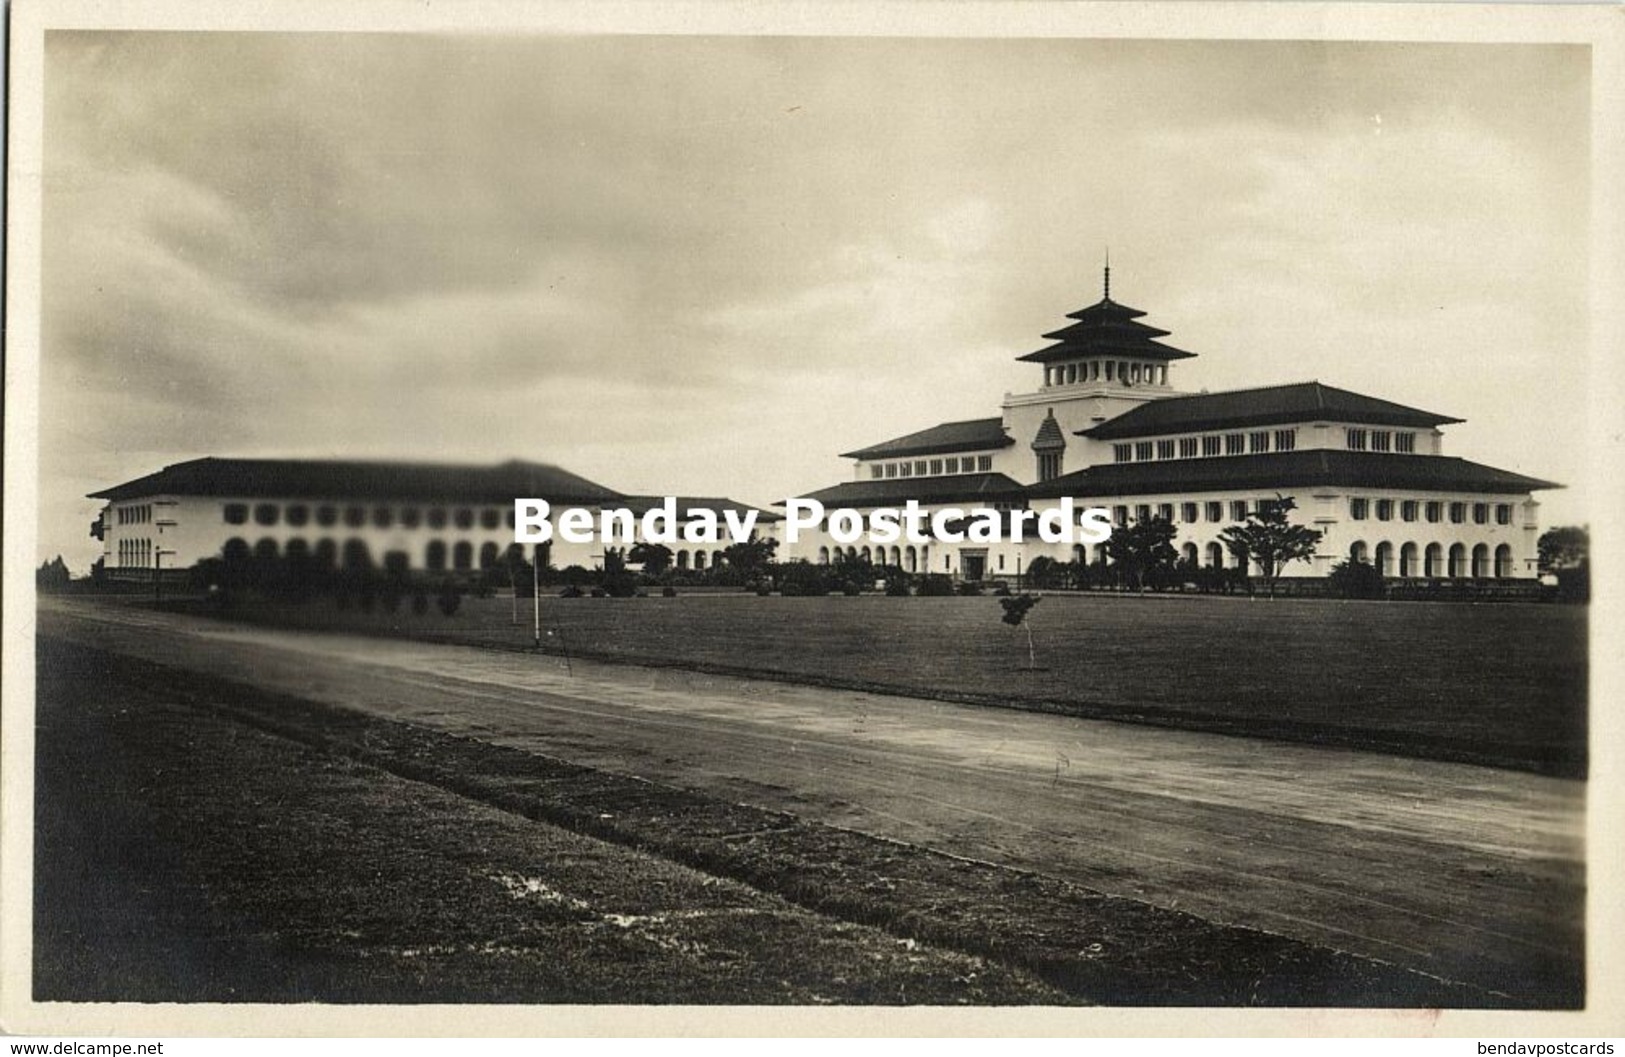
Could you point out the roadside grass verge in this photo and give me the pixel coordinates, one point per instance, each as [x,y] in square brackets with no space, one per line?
[1498,685]
[185,856]
[1083,944]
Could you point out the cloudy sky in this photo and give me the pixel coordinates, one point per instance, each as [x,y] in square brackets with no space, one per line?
[707,265]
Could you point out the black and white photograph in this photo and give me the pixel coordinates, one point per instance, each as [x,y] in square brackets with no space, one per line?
[942,512]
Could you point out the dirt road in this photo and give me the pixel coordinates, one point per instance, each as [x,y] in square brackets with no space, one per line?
[1470,873]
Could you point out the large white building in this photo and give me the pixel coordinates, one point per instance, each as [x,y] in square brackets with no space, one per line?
[1107,428]
[419,517]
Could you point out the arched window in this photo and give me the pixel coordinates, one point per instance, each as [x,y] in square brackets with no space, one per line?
[488,555]
[266,513]
[682,559]
[911,559]
[1357,551]
[1188,552]
[823,557]
[699,560]
[1407,560]
[356,555]
[1503,561]
[1458,560]
[326,554]
[1215,555]
[434,555]
[1433,560]
[1481,561]
[297,550]
[235,550]
[866,554]
[462,555]
[265,550]
[897,557]
[1385,558]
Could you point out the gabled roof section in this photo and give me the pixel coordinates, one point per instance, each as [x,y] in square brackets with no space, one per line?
[1286,470]
[1050,437]
[1266,406]
[976,434]
[358,479]
[893,491]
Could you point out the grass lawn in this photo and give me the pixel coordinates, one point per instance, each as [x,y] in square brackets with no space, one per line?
[1501,684]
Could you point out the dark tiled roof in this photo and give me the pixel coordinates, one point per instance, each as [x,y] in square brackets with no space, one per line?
[345,478]
[1270,405]
[639,503]
[1106,329]
[955,488]
[976,434]
[1280,471]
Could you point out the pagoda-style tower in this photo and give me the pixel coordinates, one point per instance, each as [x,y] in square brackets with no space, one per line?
[1102,364]
[1107,348]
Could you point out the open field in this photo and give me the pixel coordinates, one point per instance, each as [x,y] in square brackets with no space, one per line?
[1468,874]
[1503,685]
[202,840]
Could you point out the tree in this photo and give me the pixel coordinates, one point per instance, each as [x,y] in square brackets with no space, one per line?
[1269,539]
[1567,547]
[1142,549]
[53,575]
[655,558]
[752,556]
[1566,554]
[1016,609]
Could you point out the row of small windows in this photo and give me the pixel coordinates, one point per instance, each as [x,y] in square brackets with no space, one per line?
[1190,513]
[356,516]
[1381,440]
[1124,372]
[1360,509]
[1480,563]
[134,515]
[1256,442]
[932,467]
[136,553]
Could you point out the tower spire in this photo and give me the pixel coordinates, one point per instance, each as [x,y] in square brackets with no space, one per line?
[1108,291]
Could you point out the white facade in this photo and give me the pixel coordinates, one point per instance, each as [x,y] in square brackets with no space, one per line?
[1443,519]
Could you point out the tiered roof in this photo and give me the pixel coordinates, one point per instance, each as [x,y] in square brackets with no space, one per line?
[1106,328]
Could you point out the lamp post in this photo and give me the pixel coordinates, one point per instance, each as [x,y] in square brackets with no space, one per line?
[536,592]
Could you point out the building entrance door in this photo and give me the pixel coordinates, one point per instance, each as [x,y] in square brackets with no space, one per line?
[973,564]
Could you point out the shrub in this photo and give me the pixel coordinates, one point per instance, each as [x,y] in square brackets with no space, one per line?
[970,588]
[792,589]
[599,592]
[450,599]
[1001,589]
[1354,579]
[573,591]
[936,585]
[668,592]
[897,585]
[420,603]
